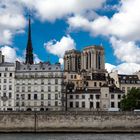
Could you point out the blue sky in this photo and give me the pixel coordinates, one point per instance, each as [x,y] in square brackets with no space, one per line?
[60,25]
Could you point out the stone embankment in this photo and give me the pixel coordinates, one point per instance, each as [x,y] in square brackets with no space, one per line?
[69,122]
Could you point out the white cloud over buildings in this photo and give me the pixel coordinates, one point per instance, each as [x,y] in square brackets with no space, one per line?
[59,47]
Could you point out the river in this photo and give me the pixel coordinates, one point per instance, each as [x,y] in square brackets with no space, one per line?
[66,136]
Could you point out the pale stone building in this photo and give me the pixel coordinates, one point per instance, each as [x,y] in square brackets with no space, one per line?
[38,87]
[89,91]
[125,82]
[95,99]
[7,75]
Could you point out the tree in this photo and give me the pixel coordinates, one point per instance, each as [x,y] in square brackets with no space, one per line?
[131,101]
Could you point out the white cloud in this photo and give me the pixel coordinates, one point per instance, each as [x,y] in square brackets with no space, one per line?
[9,53]
[56,9]
[109,67]
[123,24]
[11,20]
[126,51]
[36,59]
[124,68]
[59,47]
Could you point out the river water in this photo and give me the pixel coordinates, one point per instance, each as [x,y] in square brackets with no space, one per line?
[66,136]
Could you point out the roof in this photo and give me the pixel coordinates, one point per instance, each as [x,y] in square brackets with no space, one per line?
[129,79]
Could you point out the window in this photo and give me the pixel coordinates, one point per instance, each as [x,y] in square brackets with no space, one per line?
[6,69]
[5,74]
[10,80]
[29,96]
[83,104]
[17,103]
[56,96]
[17,89]
[23,89]
[77,96]
[119,104]
[35,96]
[4,94]
[56,88]
[49,96]
[0,74]
[95,84]
[22,104]
[10,74]
[112,104]
[49,81]
[49,89]
[91,96]
[42,96]
[119,96]
[17,97]
[10,87]
[22,96]
[77,104]
[75,76]
[5,80]
[42,89]
[42,103]
[97,104]
[49,103]
[97,96]
[42,82]
[29,89]
[71,76]
[83,96]
[71,96]
[56,103]
[100,84]
[71,104]
[112,96]
[4,87]
[10,94]
[56,81]
[0,87]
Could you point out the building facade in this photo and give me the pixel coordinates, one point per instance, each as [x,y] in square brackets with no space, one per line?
[93,87]
[7,84]
[126,82]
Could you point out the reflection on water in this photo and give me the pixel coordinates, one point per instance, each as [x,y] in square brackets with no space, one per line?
[66,136]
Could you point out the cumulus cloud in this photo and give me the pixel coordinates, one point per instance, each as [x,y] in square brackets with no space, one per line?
[55,9]
[123,24]
[124,68]
[126,51]
[59,47]
[12,20]
[9,53]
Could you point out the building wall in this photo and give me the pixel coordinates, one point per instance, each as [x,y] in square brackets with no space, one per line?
[38,88]
[7,74]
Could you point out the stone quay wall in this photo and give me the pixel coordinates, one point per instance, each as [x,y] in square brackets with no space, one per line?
[69,122]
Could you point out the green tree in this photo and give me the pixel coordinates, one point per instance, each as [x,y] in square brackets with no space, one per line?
[131,101]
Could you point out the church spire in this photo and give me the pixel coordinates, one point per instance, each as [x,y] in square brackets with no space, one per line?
[29,49]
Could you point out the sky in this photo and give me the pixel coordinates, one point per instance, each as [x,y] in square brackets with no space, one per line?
[60,25]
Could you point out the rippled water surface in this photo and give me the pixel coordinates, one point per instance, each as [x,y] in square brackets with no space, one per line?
[65,136]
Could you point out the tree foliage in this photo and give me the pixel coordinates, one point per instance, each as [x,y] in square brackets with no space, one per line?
[131,101]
